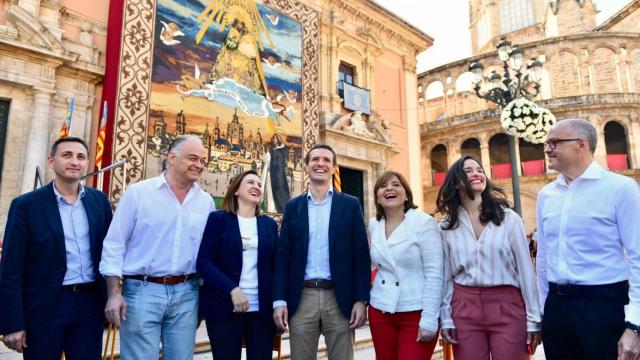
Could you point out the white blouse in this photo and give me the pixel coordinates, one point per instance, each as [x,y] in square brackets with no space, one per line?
[410,264]
[499,257]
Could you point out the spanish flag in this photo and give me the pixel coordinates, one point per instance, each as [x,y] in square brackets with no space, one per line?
[337,184]
[66,123]
[101,136]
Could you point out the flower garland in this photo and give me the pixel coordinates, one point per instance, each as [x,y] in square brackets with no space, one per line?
[523,118]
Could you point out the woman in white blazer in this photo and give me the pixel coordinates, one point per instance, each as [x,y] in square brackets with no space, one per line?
[406,248]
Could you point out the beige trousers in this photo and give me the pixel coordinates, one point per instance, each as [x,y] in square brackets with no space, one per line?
[318,313]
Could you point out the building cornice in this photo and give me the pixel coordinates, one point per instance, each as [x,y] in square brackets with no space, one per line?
[369,19]
[534,46]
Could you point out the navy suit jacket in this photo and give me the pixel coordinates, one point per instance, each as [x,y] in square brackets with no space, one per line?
[349,259]
[34,259]
[220,264]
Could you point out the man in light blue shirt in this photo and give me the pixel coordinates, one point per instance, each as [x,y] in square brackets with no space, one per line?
[322,267]
[52,296]
[588,261]
[318,254]
[76,239]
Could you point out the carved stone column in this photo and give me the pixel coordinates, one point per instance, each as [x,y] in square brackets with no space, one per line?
[485,156]
[38,141]
[600,154]
[413,130]
[634,144]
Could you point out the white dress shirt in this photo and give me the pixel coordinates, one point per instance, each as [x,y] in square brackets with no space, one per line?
[589,233]
[152,233]
[499,257]
[409,266]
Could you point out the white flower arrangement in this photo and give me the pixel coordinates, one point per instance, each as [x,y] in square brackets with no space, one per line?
[523,118]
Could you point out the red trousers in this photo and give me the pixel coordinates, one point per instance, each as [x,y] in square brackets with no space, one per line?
[394,336]
[489,320]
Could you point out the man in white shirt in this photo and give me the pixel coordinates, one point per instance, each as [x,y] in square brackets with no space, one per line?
[588,252]
[152,245]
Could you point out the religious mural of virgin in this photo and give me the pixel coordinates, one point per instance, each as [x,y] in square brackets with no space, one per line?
[229,71]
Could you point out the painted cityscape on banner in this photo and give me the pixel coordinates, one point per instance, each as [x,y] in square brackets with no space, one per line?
[230,72]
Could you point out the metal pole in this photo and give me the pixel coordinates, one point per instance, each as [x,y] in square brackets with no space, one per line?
[124,177]
[515,179]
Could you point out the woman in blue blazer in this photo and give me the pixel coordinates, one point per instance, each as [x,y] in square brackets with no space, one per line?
[235,260]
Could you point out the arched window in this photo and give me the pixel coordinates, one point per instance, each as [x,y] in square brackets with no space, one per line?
[438,164]
[464,82]
[483,29]
[499,156]
[434,90]
[532,158]
[471,147]
[615,140]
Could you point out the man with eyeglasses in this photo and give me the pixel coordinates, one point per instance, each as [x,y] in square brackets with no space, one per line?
[588,260]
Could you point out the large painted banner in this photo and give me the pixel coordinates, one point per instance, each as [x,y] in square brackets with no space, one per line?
[240,74]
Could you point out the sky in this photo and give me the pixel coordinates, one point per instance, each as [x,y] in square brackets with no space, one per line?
[447,22]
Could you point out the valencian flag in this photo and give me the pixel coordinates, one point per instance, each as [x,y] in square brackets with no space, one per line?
[66,123]
[337,184]
[101,136]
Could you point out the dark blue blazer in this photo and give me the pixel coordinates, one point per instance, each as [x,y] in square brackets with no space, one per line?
[349,259]
[220,264]
[34,259]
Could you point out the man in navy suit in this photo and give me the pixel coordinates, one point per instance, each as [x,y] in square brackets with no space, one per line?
[51,294]
[322,267]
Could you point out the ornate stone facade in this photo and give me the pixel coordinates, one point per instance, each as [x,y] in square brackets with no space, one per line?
[379,47]
[48,53]
[591,74]
[382,49]
[53,49]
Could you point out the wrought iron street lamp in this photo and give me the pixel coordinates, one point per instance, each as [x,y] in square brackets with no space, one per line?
[502,89]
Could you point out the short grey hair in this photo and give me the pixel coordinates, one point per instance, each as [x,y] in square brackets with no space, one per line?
[584,129]
[176,144]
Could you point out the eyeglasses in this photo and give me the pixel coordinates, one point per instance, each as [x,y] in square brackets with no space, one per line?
[552,143]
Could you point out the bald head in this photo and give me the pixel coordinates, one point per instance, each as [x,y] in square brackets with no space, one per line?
[582,129]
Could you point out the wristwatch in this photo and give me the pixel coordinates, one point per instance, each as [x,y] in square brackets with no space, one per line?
[633,327]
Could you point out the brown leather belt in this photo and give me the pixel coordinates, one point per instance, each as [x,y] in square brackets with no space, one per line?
[164,280]
[80,287]
[318,284]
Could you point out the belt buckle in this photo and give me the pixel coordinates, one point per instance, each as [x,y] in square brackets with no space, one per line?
[186,278]
[317,281]
[164,280]
[74,288]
